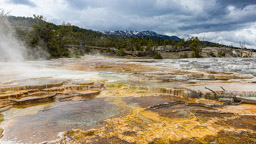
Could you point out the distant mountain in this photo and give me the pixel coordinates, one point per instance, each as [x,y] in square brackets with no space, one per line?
[145,34]
[27,22]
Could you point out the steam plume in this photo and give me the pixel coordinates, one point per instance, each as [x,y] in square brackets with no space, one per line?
[11,50]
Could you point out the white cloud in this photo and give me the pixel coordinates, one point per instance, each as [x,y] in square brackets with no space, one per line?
[220,21]
[247,35]
[236,14]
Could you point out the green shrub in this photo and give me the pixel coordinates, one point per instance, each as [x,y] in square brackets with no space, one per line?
[221,53]
[120,52]
[108,50]
[212,54]
[193,55]
[87,49]
[158,56]
[185,55]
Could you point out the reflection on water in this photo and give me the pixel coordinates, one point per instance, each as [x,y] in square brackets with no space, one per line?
[47,123]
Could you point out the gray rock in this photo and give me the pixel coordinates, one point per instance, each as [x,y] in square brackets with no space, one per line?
[228,100]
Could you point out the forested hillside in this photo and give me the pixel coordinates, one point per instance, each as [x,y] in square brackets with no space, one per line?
[56,39]
[36,32]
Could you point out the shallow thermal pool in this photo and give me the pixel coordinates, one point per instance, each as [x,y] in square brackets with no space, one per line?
[242,65]
[121,113]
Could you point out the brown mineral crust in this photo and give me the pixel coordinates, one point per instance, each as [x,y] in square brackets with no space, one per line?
[223,137]
[150,100]
[1,132]
[179,111]
[243,122]
[205,115]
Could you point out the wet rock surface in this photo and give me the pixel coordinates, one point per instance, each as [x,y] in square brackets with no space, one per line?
[46,124]
[221,138]
[178,125]
[108,100]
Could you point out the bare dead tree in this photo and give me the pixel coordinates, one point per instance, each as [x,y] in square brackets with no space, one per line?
[222,88]
[4,13]
[211,91]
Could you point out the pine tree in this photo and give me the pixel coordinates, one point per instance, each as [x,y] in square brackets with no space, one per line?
[195,47]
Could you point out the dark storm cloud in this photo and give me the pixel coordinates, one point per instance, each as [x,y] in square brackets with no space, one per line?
[237,3]
[217,19]
[23,2]
[184,18]
[225,16]
[211,15]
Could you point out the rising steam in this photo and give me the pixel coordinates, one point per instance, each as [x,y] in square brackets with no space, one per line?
[11,50]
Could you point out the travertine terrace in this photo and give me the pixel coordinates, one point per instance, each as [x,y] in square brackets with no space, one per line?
[109,100]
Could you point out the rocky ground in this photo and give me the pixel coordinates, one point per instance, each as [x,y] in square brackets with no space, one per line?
[109,100]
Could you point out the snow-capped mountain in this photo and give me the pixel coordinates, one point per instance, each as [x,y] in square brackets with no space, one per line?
[146,34]
[122,33]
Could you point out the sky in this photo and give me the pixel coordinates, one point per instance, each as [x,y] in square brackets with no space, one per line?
[223,21]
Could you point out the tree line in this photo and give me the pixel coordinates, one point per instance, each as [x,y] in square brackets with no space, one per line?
[56,39]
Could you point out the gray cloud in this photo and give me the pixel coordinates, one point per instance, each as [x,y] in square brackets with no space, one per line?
[23,2]
[212,15]
[216,18]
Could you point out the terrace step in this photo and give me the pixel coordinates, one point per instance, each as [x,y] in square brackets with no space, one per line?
[26,87]
[16,94]
[32,99]
[87,93]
